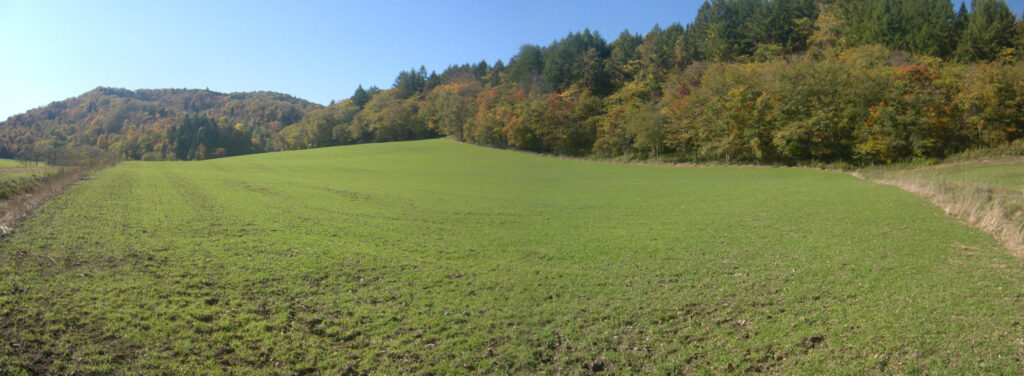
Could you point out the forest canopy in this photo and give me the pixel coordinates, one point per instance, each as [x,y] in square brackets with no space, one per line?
[779,81]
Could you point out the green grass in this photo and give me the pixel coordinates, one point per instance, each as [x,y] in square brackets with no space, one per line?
[21,172]
[438,257]
[987,193]
[9,163]
[21,180]
[15,175]
[1006,174]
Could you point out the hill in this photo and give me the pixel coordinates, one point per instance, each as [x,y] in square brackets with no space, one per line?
[767,82]
[138,124]
[434,257]
[781,82]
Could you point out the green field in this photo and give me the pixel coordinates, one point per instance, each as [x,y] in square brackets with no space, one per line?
[1007,174]
[20,177]
[11,169]
[13,163]
[988,193]
[439,257]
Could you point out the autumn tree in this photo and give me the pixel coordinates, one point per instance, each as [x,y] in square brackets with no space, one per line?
[450,108]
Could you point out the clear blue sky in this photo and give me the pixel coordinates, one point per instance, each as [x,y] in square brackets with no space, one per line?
[318,51]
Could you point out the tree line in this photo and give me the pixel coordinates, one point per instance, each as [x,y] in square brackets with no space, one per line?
[780,81]
[762,81]
[151,124]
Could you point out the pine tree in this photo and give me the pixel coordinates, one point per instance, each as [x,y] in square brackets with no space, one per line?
[623,59]
[959,24]
[928,25]
[989,31]
[360,97]
[526,66]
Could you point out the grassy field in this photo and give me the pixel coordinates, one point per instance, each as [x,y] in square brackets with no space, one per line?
[438,257]
[13,163]
[18,177]
[987,193]
[1005,173]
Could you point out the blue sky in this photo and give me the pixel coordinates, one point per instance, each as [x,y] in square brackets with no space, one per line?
[318,51]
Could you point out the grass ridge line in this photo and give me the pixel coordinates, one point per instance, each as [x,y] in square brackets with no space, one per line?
[656,161]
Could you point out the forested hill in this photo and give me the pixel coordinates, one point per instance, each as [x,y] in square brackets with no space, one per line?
[152,124]
[755,81]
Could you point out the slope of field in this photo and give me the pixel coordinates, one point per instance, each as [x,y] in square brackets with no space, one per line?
[13,163]
[1007,174]
[19,177]
[439,257]
[986,193]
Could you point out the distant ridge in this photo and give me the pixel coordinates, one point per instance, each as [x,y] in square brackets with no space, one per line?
[135,123]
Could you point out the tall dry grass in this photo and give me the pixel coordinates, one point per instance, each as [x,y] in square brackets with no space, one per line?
[17,207]
[991,209]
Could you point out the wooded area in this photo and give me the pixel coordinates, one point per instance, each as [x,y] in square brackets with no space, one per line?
[780,81]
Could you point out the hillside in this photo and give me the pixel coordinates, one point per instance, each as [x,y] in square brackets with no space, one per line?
[768,82]
[136,124]
[435,257]
[782,82]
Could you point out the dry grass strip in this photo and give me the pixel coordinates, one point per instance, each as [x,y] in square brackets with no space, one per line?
[994,210]
[14,209]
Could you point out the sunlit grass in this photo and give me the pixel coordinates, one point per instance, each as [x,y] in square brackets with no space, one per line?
[11,163]
[1006,173]
[433,256]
